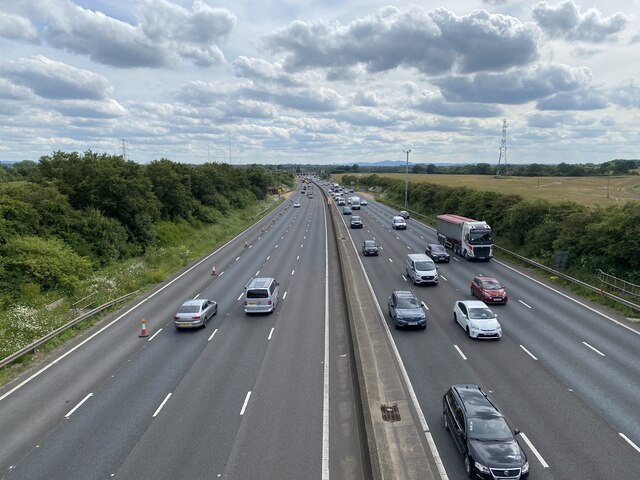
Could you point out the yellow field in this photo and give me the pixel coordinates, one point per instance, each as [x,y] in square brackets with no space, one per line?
[589,191]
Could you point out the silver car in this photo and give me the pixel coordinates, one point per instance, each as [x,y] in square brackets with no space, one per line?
[195,313]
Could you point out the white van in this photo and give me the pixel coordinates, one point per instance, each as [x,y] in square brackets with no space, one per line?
[421,269]
[398,223]
[261,295]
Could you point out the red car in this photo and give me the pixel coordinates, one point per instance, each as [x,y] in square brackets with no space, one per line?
[488,289]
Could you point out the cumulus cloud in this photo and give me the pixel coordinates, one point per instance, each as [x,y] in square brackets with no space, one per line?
[568,22]
[578,100]
[56,80]
[515,86]
[15,27]
[433,102]
[626,94]
[161,34]
[367,99]
[434,42]
[262,70]
[90,109]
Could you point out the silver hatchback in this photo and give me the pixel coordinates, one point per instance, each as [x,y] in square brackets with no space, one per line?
[195,313]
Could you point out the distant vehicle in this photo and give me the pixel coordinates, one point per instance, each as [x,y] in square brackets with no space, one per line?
[195,313]
[346,210]
[406,310]
[467,237]
[477,319]
[488,289]
[437,253]
[341,202]
[398,223]
[404,214]
[296,204]
[355,203]
[356,222]
[370,247]
[481,434]
[363,201]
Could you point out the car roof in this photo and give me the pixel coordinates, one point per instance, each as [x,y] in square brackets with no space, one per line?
[370,241]
[197,301]
[431,245]
[259,282]
[473,303]
[355,217]
[486,277]
[398,217]
[404,293]
[475,400]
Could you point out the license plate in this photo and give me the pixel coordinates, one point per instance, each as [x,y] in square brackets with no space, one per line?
[251,303]
[413,323]
[497,299]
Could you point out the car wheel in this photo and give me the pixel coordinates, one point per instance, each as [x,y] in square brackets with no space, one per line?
[467,466]
[468,331]
[395,324]
[445,421]
[473,294]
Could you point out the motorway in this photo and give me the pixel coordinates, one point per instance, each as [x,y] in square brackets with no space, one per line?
[272,396]
[565,373]
[264,396]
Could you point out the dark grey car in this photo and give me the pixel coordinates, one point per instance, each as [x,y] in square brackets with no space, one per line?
[370,247]
[406,310]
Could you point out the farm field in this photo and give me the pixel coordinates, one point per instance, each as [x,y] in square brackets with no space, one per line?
[591,191]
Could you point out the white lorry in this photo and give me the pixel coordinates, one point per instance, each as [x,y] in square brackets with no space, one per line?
[470,238]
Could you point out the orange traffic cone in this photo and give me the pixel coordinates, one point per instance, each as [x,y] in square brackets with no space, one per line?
[143,331]
[213,270]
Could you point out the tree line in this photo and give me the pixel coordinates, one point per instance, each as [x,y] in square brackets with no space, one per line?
[70,213]
[596,238]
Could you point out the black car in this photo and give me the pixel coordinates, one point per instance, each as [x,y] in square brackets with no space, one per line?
[356,222]
[370,247]
[437,253]
[484,439]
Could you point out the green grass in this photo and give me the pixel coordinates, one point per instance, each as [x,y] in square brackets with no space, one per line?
[21,325]
[590,191]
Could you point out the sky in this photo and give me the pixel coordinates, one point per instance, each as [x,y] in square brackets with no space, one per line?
[321,81]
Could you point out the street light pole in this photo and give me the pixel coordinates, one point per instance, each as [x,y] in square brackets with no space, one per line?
[406,181]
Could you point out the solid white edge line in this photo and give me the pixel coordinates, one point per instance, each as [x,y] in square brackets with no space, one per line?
[154,335]
[78,405]
[569,298]
[211,337]
[460,352]
[325,389]
[412,394]
[524,304]
[528,352]
[628,440]
[161,405]
[118,318]
[594,349]
[534,450]
[270,333]
[246,401]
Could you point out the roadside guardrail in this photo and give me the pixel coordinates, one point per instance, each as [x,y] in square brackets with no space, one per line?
[41,341]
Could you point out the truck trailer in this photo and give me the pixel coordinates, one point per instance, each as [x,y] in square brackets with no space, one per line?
[467,237]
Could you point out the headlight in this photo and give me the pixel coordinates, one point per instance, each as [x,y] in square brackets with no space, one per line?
[525,467]
[481,467]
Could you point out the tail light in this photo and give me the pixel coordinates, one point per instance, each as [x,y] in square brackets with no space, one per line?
[269,302]
[196,317]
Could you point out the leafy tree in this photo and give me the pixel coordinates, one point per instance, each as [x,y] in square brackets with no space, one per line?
[172,187]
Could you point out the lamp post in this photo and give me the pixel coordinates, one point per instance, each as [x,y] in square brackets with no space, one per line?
[406,181]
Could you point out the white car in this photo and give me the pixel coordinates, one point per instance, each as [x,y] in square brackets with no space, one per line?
[296,204]
[363,201]
[477,319]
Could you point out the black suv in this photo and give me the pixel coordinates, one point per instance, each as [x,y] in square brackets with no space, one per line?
[370,247]
[437,253]
[482,435]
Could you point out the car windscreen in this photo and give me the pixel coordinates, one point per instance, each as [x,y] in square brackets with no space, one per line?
[407,302]
[480,313]
[258,293]
[189,309]
[369,243]
[489,428]
[491,285]
[355,219]
[438,249]
[425,266]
